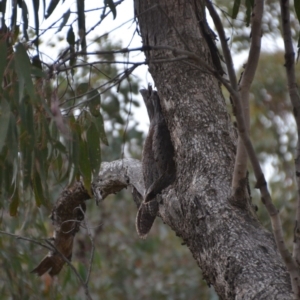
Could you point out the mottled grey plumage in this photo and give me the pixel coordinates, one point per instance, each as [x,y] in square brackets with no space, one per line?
[158,162]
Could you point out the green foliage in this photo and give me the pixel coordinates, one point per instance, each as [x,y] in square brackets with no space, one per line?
[53,132]
[56,134]
[235,9]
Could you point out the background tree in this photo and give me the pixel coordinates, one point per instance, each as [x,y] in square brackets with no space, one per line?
[51,135]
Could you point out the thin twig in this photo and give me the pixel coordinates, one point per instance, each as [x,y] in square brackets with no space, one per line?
[34,241]
[240,167]
[84,285]
[224,44]
[93,247]
[115,82]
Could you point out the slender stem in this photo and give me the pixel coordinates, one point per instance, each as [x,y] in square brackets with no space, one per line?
[295,100]
[240,170]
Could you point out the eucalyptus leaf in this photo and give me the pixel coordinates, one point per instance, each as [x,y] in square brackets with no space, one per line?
[14,203]
[3,59]
[297,8]
[82,88]
[22,65]
[94,101]
[249,6]
[64,21]
[25,20]
[94,151]
[98,121]
[71,36]
[84,164]
[38,189]
[51,8]
[4,121]
[36,6]
[235,9]
[112,7]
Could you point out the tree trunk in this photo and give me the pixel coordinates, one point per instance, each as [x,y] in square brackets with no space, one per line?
[235,253]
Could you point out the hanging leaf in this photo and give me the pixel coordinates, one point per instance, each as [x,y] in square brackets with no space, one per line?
[3,7]
[235,9]
[94,101]
[12,141]
[27,122]
[74,149]
[27,139]
[27,159]
[38,189]
[4,121]
[7,176]
[297,8]
[13,16]
[51,8]
[82,88]
[84,164]
[98,121]
[71,36]
[25,20]
[36,6]
[14,203]
[112,7]
[41,156]
[3,59]
[81,23]
[22,66]
[249,6]
[64,21]
[93,143]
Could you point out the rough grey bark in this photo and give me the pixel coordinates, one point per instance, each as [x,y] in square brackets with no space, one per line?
[236,254]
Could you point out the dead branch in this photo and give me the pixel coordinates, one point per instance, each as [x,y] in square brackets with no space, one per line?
[117,175]
[66,219]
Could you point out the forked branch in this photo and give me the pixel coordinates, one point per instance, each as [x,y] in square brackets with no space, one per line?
[261,182]
[240,167]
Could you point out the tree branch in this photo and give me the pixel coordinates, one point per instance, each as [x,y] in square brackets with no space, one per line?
[261,182]
[240,167]
[117,175]
[224,44]
[266,199]
[295,100]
